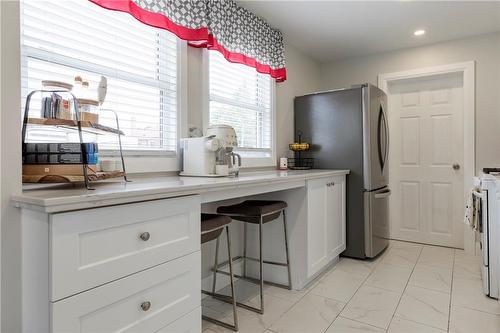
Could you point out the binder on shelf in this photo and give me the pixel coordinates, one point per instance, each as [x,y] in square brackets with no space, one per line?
[58,148]
[60,158]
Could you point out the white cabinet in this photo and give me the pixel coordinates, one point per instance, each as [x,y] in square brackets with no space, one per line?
[144,302]
[123,268]
[325,222]
[95,246]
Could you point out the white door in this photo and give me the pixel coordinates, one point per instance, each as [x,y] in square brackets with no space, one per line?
[426,159]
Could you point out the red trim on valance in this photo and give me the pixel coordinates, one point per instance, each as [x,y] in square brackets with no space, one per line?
[153,19]
[279,74]
[197,37]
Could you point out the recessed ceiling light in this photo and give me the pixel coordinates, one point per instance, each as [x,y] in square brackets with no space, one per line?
[419,32]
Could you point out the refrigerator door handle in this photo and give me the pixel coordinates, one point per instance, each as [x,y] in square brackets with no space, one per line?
[381,157]
[382,195]
[387,145]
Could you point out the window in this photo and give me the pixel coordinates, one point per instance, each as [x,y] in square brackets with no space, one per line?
[62,39]
[241,97]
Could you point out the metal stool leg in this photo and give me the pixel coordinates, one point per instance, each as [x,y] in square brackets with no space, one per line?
[221,297]
[261,268]
[245,249]
[214,282]
[235,315]
[287,252]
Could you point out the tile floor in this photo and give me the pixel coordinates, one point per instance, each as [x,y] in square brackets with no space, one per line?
[409,288]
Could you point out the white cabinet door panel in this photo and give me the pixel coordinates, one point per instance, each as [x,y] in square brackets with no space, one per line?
[336,206]
[326,229]
[96,246]
[172,290]
[318,254]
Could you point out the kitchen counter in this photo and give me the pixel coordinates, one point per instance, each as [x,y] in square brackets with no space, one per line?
[80,262]
[152,188]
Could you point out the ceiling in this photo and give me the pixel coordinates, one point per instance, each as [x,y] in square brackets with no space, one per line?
[331,30]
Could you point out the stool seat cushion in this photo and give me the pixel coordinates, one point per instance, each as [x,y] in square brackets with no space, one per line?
[251,210]
[212,226]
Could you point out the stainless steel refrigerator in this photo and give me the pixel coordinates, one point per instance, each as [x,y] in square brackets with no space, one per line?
[348,129]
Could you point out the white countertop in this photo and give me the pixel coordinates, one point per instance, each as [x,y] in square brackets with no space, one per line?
[151,188]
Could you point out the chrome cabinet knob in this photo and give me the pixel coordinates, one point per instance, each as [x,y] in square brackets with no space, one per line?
[456,166]
[145,236]
[145,306]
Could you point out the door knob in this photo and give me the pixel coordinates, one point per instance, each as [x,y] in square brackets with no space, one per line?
[456,166]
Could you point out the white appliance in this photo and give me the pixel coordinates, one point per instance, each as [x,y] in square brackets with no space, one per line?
[199,156]
[229,141]
[489,231]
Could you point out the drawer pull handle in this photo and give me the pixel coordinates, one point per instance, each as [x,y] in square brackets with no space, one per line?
[145,306]
[145,236]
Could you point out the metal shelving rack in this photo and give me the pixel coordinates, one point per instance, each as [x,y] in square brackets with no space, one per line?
[76,125]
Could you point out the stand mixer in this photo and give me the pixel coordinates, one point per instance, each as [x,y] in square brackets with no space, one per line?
[228,141]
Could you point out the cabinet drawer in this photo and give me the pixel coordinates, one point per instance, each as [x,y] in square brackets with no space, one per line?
[93,247]
[190,323]
[173,290]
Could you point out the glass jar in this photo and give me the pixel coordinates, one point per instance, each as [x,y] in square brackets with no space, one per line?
[88,109]
[56,101]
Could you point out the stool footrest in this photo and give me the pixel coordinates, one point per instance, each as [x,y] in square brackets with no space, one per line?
[221,323]
[257,281]
[239,258]
[228,299]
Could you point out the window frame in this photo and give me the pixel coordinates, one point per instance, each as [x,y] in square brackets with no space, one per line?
[138,161]
[251,157]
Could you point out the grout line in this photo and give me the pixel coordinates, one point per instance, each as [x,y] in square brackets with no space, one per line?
[476,310]
[357,289]
[451,289]
[380,328]
[319,278]
[406,286]
[438,291]
[420,324]
[425,244]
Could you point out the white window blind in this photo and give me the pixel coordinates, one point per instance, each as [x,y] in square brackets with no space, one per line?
[62,39]
[241,97]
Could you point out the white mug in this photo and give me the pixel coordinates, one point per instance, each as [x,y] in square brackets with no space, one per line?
[108,165]
[222,169]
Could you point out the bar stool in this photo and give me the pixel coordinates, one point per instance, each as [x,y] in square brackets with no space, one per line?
[258,212]
[211,228]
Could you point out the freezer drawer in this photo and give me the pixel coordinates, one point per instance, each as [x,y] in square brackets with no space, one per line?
[376,221]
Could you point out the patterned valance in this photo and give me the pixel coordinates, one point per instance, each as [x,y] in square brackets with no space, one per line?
[221,25]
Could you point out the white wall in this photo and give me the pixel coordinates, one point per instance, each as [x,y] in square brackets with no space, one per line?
[303,76]
[483,49]
[10,169]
